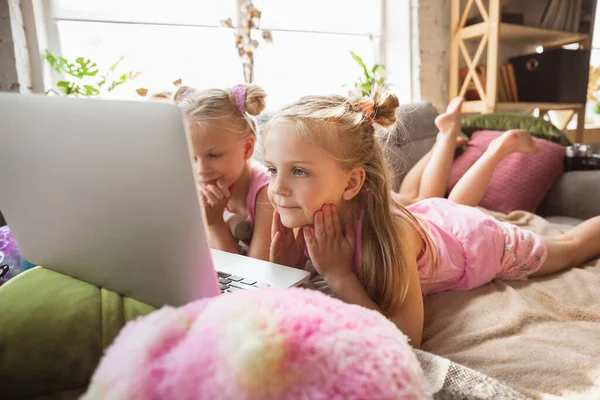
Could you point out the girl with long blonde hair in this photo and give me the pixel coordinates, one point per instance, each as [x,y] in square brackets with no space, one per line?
[333,203]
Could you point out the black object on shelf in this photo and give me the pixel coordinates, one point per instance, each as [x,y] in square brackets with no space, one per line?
[554,76]
[505,17]
[579,157]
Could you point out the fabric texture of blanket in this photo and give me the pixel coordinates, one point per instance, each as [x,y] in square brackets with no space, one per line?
[541,336]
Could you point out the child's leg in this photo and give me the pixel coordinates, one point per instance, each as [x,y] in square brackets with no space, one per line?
[409,188]
[572,248]
[429,176]
[471,188]
[434,180]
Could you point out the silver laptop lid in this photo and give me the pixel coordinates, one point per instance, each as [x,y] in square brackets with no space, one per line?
[103,190]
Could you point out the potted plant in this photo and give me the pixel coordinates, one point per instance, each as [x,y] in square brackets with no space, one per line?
[375,76]
[83,78]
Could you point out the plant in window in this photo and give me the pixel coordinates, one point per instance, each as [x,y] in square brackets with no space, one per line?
[244,43]
[594,88]
[370,78]
[83,78]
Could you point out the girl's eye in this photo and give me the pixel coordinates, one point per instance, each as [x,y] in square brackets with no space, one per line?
[272,170]
[299,172]
[215,155]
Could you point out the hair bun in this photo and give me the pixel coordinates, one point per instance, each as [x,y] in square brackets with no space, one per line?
[255,99]
[385,105]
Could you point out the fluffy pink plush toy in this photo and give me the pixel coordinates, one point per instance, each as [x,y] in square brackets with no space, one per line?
[263,344]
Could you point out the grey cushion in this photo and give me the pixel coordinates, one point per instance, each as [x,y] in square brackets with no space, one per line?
[411,138]
[576,194]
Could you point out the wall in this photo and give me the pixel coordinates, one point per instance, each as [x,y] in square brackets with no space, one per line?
[14,58]
[431,51]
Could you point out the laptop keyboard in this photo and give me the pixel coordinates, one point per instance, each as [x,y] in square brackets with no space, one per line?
[232,283]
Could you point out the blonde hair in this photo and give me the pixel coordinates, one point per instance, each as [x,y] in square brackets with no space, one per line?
[218,106]
[345,128]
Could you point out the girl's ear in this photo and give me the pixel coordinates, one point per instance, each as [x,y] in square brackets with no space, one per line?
[249,143]
[356,180]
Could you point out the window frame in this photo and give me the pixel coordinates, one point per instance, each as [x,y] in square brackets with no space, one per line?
[394,52]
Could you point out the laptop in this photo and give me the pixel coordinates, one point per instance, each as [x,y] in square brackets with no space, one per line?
[103,191]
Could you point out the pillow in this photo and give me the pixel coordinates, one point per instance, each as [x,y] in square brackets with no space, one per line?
[538,127]
[260,344]
[521,181]
[53,332]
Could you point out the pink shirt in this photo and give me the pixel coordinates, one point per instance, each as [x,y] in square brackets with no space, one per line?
[472,247]
[259,178]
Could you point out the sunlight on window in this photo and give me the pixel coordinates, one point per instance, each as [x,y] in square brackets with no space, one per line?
[299,64]
[309,53]
[295,64]
[202,57]
[595,57]
[184,12]
[338,16]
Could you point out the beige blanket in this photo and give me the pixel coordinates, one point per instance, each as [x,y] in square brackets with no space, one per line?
[541,337]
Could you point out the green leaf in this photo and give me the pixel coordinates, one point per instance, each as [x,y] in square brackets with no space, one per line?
[121,80]
[86,67]
[360,62]
[375,76]
[378,70]
[67,87]
[376,67]
[90,91]
[64,64]
[48,56]
[103,81]
[81,69]
[116,64]
[364,88]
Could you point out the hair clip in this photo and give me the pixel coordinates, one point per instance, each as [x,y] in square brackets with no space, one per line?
[239,94]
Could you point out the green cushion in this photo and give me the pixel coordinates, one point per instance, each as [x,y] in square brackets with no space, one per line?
[53,329]
[538,127]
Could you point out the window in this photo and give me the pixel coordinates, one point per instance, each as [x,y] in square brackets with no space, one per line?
[592,119]
[309,53]
[595,57]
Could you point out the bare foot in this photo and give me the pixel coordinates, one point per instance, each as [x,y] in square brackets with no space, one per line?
[449,122]
[514,141]
[462,141]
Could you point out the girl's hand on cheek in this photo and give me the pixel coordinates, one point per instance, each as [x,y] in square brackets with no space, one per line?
[330,248]
[215,200]
[287,247]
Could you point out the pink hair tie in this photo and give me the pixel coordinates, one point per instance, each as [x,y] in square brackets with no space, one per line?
[239,93]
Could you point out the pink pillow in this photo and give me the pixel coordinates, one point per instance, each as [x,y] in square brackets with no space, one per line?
[521,181]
